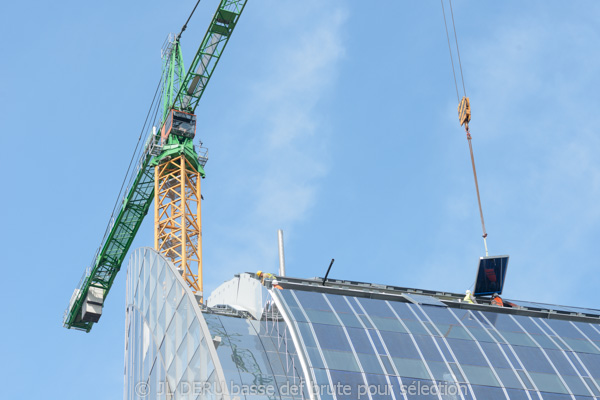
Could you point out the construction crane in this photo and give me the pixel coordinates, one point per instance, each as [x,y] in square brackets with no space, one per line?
[169,172]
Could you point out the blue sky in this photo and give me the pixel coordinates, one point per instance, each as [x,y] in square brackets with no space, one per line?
[333,120]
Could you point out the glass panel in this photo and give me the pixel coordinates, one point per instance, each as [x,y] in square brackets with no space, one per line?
[339,303]
[352,381]
[454,331]
[457,373]
[576,385]
[415,327]
[428,348]
[375,338]
[466,317]
[488,393]
[289,298]
[400,345]
[331,337]
[370,363]
[378,387]
[376,308]
[350,320]
[297,314]
[311,300]
[490,275]
[508,378]
[322,381]
[515,394]
[590,382]
[493,353]
[360,340]
[444,348]
[510,355]
[481,335]
[440,371]
[589,331]
[574,361]
[322,317]
[342,360]
[411,368]
[467,352]
[592,362]
[560,362]
[528,325]
[518,339]
[388,324]
[545,342]
[306,334]
[480,375]
[525,379]
[533,359]
[366,321]
[440,315]
[403,310]
[548,382]
[316,361]
[419,389]
[583,346]
[564,328]
[388,365]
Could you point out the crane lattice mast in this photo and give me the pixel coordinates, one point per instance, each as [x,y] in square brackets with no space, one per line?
[168,172]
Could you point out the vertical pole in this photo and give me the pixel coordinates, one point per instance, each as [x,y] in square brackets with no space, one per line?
[156,206]
[183,199]
[199,214]
[281,255]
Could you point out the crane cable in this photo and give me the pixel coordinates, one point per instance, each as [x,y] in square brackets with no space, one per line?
[464,110]
[184,27]
[134,157]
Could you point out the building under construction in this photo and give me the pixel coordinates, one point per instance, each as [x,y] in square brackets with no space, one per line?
[333,340]
[260,336]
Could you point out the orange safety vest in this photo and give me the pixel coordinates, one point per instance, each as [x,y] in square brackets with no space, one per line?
[498,301]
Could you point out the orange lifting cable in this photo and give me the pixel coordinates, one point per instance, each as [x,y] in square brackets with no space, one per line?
[464,111]
[464,116]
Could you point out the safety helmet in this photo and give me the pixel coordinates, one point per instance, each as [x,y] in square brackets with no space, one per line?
[495,295]
[259,273]
[468,291]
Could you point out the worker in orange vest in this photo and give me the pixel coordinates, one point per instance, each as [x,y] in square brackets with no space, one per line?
[497,300]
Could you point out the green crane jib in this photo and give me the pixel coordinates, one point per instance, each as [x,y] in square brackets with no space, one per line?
[180,98]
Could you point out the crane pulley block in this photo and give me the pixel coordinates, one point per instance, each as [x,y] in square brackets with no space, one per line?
[464,111]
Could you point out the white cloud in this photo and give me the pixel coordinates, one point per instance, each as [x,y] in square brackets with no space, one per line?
[288,152]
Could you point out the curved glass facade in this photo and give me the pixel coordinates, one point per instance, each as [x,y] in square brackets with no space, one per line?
[304,342]
[168,348]
[390,349]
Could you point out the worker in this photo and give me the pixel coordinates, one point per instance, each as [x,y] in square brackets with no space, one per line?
[276,284]
[497,300]
[264,276]
[469,297]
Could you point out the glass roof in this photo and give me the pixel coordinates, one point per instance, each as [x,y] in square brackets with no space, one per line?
[421,346]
